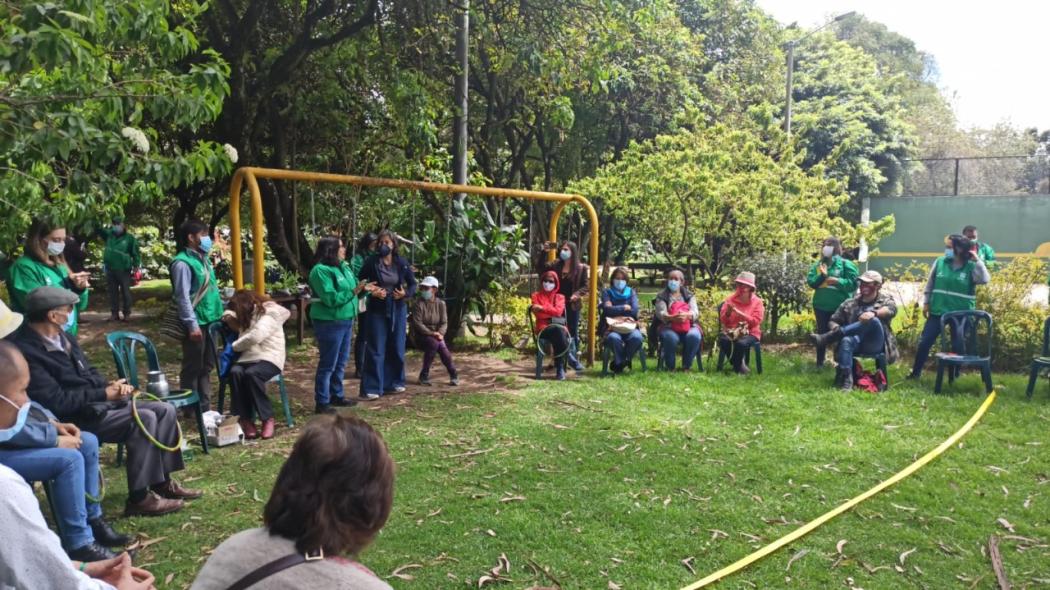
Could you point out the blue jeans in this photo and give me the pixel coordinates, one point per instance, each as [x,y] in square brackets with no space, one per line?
[860,338]
[383,366]
[669,340]
[72,472]
[333,346]
[624,346]
[930,332]
[572,321]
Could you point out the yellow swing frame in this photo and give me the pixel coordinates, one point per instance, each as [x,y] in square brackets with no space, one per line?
[251,175]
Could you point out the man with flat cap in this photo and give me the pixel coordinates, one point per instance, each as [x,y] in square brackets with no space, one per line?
[62,380]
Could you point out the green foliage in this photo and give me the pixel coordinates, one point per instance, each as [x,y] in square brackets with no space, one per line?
[91,95]
[1018,323]
[504,321]
[909,280]
[781,282]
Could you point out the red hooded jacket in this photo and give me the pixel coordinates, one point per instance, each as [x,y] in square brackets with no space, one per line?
[553,303]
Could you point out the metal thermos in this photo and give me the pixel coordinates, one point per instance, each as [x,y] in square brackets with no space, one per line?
[157,384]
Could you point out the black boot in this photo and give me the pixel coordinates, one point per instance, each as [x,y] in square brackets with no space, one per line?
[105,534]
[826,338]
[91,552]
[846,383]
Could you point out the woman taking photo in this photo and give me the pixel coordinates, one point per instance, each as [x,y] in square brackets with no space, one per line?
[333,309]
[619,307]
[42,264]
[390,284]
[331,498]
[260,346]
[833,280]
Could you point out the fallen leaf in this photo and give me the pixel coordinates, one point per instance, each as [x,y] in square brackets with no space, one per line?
[905,555]
[146,543]
[801,553]
[490,533]
[613,585]
[169,578]
[398,573]
[688,563]
[904,508]
[512,499]
[1006,524]
[840,545]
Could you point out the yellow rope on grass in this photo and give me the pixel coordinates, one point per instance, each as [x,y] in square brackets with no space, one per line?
[142,427]
[809,527]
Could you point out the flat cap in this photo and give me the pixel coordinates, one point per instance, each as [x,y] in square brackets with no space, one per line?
[48,298]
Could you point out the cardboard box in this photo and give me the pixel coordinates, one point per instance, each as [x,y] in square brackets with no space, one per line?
[227,432]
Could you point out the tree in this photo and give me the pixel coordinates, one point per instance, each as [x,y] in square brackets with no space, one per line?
[92,95]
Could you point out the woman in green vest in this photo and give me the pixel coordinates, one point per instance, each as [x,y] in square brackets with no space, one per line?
[951,286]
[833,280]
[42,264]
[196,295]
[332,309]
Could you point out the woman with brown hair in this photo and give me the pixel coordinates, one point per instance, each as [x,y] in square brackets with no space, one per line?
[260,323]
[42,264]
[331,498]
[574,281]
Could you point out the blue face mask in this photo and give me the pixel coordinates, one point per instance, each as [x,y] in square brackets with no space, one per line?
[673,285]
[206,244]
[619,284]
[948,252]
[71,321]
[427,295]
[566,254]
[23,412]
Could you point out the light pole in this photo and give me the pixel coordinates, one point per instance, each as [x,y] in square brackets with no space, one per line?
[791,66]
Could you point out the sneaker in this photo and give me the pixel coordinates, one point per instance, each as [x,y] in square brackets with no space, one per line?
[369,397]
[399,389]
[578,366]
[324,409]
[106,535]
[453,381]
[174,491]
[342,402]
[424,380]
[91,552]
[268,427]
[152,505]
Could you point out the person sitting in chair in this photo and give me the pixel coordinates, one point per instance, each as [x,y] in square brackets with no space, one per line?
[548,305]
[676,315]
[429,323]
[62,380]
[741,321]
[620,315]
[852,326]
[260,346]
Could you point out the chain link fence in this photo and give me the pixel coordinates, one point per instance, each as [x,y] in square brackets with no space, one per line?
[999,175]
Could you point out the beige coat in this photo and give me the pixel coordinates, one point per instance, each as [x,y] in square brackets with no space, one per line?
[264,339]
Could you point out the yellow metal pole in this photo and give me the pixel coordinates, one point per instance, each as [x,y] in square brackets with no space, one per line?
[235,226]
[258,264]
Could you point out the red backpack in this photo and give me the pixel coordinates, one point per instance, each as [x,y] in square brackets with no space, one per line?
[680,326]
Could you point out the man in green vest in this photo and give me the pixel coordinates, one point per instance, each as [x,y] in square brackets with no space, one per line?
[951,286]
[196,294]
[984,250]
[120,258]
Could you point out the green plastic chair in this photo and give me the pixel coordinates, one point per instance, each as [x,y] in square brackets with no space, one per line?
[215,330]
[1040,362]
[123,345]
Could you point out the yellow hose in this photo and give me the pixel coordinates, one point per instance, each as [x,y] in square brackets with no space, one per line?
[812,525]
[135,412]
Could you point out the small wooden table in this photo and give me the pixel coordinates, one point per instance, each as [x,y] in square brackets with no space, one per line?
[301,302]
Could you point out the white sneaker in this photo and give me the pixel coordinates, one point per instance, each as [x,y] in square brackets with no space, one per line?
[399,390]
[369,396]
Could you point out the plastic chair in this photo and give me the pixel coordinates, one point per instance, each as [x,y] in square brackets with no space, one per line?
[970,320]
[1040,362]
[656,346]
[215,330]
[723,355]
[542,345]
[607,355]
[123,344]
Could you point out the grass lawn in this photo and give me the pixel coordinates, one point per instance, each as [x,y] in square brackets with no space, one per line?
[630,482]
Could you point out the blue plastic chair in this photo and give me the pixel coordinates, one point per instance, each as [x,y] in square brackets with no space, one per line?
[1040,362]
[123,345]
[215,330]
[970,322]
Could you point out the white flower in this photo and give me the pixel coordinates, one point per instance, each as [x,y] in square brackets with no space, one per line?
[231,152]
[136,137]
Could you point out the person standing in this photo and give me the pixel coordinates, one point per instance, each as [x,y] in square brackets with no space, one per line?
[833,280]
[951,286]
[41,265]
[333,309]
[429,324]
[390,283]
[574,280]
[366,246]
[121,257]
[984,250]
[196,294]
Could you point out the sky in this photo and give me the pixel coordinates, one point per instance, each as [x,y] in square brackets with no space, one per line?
[991,55]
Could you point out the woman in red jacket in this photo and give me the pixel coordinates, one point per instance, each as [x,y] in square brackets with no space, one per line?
[548,305]
[741,319]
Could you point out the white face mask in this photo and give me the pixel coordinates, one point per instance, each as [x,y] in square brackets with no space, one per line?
[827,251]
[56,248]
[548,286]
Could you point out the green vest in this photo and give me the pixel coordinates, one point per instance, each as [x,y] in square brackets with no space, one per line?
[122,252]
[28,273]
[209,310]
[953,289]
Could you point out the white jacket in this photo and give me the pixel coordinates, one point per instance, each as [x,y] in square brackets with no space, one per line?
[264,339]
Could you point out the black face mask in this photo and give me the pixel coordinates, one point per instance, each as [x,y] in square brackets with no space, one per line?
[384,250]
